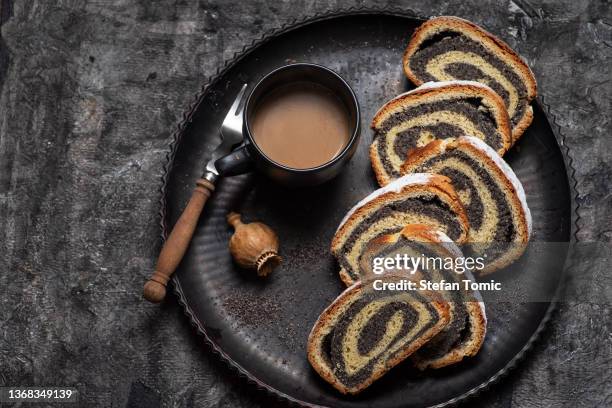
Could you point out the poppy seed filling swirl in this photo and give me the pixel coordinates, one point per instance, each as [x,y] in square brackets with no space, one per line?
[371,330]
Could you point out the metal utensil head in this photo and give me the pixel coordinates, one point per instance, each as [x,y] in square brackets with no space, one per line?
[231,131]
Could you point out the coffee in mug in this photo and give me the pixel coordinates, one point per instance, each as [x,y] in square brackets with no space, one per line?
[301,125]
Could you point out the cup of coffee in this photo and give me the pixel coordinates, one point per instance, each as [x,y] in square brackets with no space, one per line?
[300,126]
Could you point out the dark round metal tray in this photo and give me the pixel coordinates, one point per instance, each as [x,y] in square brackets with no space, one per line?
[260,326]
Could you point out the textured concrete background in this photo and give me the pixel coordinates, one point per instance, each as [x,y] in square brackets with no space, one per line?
[89,94]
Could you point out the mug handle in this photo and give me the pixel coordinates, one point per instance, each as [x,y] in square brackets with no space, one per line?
[237,162]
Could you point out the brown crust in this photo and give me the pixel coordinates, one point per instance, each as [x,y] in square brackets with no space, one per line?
[325,318]
[379,172]
[522,124]
[490,41]
[420,231]
[475,310]
[435,147]
[437,184]
[419,95]
[419,155]
[345,277]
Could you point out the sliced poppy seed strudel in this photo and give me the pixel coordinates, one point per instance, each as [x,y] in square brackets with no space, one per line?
[465,333]
[447,48]
[365,332]
[493,197]
[436,110]
[413,199]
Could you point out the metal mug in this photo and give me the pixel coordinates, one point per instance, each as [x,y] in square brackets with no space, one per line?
[249,156]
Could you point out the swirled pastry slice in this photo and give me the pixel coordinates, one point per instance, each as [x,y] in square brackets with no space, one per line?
[441,262]
[436,110]
[413,199]
[492,195]
[365,332]
[448,48]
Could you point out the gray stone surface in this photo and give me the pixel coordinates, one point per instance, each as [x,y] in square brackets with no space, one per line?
[89,94]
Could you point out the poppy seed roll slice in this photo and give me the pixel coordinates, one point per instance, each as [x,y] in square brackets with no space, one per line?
[436,110]
[365,332]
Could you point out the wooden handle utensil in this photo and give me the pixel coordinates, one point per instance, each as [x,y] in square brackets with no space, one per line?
[177,243]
